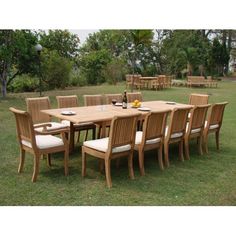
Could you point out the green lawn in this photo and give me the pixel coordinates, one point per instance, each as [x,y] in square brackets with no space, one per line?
[204,180]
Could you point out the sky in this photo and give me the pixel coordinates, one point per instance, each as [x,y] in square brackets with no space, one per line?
[83,34]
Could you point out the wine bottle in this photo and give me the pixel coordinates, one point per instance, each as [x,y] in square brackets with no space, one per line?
[124,101]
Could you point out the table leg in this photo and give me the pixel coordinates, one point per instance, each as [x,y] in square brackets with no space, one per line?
[71,137]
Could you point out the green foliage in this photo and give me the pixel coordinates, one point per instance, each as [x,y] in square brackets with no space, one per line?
[55,70]
[92,63]
[24,83]
[62,41]
[76,78]
[114,71]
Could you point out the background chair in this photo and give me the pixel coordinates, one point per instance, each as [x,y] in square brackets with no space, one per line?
[109,97]
[176,131]
[134,96]
[93,100]
[72,101]
[151,137]
[38,143]
[120,143]
[195,127]
[198,99]
[34,107]
[213,123]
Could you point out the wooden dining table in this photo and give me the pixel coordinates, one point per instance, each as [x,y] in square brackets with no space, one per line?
[103,114]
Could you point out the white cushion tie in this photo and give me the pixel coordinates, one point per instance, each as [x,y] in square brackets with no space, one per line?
[175,135]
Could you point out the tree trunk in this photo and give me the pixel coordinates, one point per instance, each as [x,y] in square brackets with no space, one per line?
[4,87]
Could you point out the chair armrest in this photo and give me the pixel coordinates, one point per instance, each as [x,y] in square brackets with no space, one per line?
[43,125]
[53,132]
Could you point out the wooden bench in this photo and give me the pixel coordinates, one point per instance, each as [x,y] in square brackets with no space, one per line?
[200,81]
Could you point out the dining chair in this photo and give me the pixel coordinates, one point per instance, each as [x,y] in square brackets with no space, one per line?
[134,96]
[93,100]
[152,136]
[72,101]
[96,100]
[195,128]
[109,97]
[38,142]
[161,81]
[213,123]
[175,132]
[34,107]
[129,81]
[119,143]
[198,99]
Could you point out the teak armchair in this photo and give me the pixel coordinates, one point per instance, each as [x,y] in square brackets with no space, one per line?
[198,99]
[152,136]
[34,107]
[176,131]
[109,97]
[72,101]
[38,142]
[195,128]
[120,143]
[134,96]
[213,123]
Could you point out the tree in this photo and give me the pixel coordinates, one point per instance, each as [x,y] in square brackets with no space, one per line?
[62,41]
[17,55]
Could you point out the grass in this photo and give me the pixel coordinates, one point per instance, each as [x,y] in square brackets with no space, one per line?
[204,180]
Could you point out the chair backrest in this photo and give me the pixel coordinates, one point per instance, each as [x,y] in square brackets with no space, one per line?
[67,101]
[24,126]
[198,117]
[134,96]
[198,99]
[154,125]
[216,114]
[110,97]
[93,100]
[178,121]
[122,131]
[34,107]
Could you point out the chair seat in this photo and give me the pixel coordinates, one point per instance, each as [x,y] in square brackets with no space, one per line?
[175,135]
[193,131]
[212,126]
[67,123]
[55,125]
[138,139]
[102,145]
[45,141]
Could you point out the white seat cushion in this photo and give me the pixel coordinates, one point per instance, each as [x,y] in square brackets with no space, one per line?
[193,131]
[212,126]
[138,139]
[67,123]
[175,135]
[45,141]
[102,145]
[55,125]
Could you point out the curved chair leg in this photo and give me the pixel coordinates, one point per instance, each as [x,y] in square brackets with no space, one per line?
[78,138]
[36,167]
[160,159]
[206,143]
[217,140]
[166,154]
[108,172]
[181,153]
[49,164]
[83,163]
[141,162]
[86,136]
[130,166]
[22,160]
[186,149]
[200,145]
[94,133]
[66,160]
